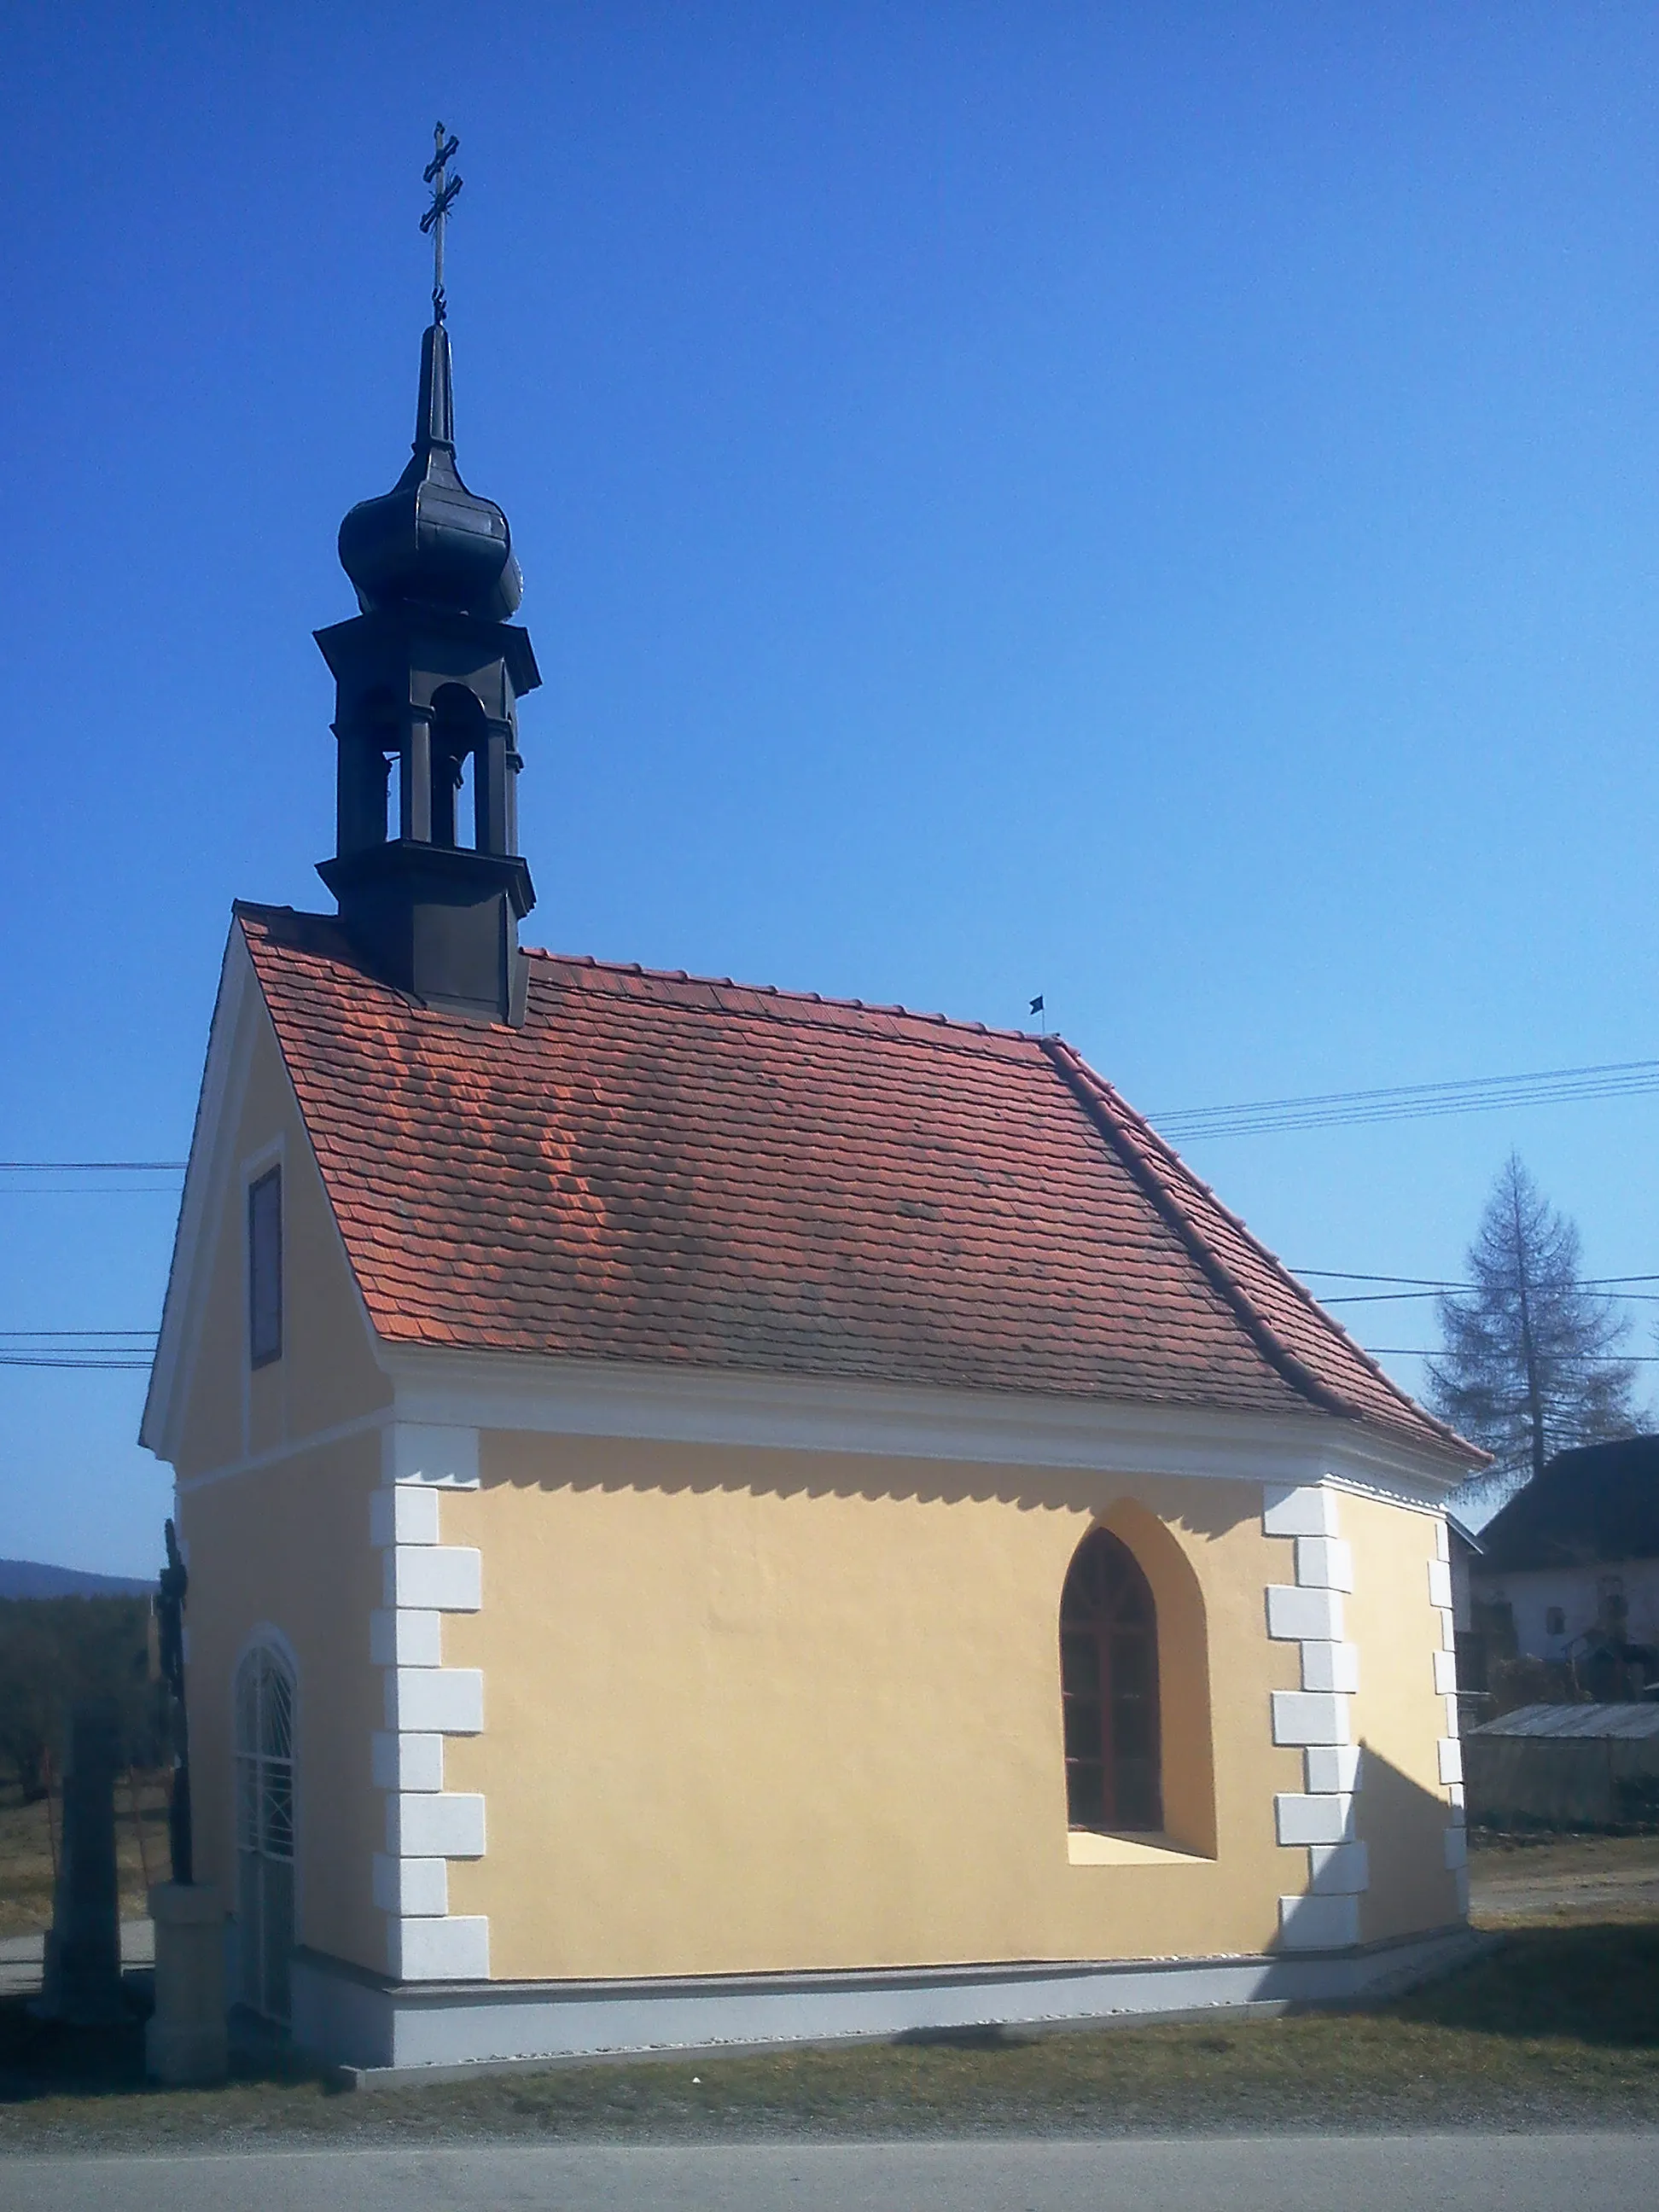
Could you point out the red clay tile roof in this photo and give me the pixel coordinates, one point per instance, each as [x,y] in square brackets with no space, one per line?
[661,1169]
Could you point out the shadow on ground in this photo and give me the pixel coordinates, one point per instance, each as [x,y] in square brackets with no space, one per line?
[43,2058]
[1590,1985]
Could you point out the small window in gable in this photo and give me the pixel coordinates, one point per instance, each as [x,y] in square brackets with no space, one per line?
[1555,1620]
[264,1268]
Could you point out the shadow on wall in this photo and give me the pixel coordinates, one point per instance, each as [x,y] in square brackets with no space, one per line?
[1405,1828]
[1389,1864]
[1201,1507]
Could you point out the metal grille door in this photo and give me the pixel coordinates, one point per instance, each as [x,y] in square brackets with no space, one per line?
[264,1830]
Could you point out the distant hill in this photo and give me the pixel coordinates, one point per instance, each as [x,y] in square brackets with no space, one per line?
[31,1579]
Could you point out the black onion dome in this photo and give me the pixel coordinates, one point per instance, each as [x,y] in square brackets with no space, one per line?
[430,542]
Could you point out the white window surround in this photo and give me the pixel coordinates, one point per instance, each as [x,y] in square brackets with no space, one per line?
[426,1825]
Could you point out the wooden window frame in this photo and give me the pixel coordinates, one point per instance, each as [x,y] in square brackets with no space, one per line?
[1109,1691]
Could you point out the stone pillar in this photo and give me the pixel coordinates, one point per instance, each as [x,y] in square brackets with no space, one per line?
[184,2040]
[82,1981]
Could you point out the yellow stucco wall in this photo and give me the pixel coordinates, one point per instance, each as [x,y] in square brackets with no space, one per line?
[285,1543]
[327,1375]
[750,1710]
[288,1548]
[1402,1810]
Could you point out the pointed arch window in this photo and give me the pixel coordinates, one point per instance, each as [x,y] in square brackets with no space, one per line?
[1109,1690]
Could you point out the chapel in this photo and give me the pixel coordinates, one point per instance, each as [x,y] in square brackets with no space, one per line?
[717,1515]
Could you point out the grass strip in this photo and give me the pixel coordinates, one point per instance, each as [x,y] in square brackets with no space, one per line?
[1557,2026]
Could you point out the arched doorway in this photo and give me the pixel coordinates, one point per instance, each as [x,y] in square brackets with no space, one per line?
[264,1829]
[1109,1690]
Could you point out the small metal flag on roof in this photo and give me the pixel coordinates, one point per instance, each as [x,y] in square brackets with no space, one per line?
[1036,1004]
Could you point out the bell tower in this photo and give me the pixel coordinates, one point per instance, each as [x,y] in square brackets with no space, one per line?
[427,677]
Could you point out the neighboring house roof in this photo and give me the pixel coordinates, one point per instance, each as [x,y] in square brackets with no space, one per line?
[1599,1502]
[658,1169]
[1627,1720]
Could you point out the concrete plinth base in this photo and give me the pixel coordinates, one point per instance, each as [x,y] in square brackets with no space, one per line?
[185,2041]
[380,2031]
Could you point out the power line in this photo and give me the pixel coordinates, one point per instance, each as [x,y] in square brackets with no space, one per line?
[1410,1101]
[91,1167]
[1445,1283]
[71,1359]
[111,1351]
[1438,1352]
[1346,1275]
[1390,1297]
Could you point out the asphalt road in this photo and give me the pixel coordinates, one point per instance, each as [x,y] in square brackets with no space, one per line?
[1282,2173]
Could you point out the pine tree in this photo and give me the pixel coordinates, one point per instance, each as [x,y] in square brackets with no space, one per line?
[1530,1363]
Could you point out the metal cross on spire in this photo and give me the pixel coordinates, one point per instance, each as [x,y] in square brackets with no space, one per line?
[444,189]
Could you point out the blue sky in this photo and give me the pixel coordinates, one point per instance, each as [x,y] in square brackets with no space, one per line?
[1155,506]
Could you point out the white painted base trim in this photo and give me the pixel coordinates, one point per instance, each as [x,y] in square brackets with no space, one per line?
[355,2019]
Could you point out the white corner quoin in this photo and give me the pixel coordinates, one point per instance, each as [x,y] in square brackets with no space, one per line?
[1320,1818]
[426,1825]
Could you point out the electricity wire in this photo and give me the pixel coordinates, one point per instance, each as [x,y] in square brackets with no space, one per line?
[1410,1101]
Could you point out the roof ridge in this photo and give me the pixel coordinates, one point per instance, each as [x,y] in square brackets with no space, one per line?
[779,992]
[1098,1094]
